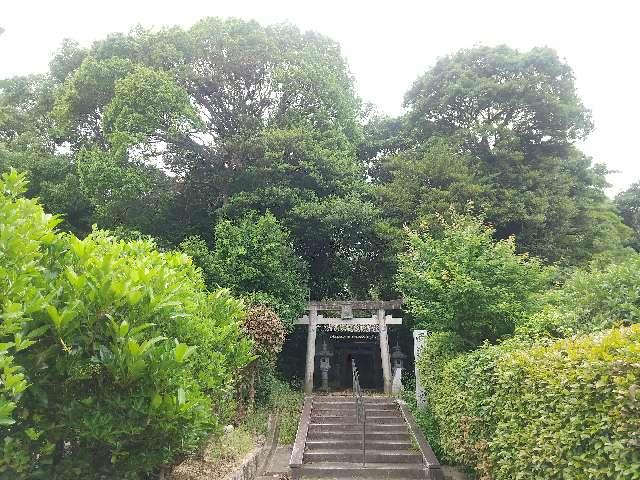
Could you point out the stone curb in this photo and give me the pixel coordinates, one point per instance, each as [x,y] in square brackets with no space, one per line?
[257,460]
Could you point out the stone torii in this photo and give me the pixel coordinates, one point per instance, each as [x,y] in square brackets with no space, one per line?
[313,319]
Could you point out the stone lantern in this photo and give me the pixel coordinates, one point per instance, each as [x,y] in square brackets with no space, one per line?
[397,359]
[324,356]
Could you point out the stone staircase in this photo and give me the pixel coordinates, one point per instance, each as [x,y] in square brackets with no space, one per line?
[330,442]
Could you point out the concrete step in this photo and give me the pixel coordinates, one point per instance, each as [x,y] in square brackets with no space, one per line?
[347,402]
[351,412]
[356,427]
[369,471]
[357,444]
[357,436]
[387,420]
[352,400]
[355,455]
[352,408]
[377,412]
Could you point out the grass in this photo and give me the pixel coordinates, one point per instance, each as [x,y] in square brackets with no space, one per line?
[289,406]
[221,456]
[226,451]
[232,446]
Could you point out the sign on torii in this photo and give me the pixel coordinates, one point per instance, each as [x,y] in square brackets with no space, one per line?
[380,318]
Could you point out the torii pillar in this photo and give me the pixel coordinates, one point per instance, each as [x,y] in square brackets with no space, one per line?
[311,349]
[384,351]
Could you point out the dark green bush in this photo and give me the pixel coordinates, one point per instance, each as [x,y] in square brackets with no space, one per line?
[128,360]
[255,258]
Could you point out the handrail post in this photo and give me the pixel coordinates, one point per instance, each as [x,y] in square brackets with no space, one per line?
[361,412]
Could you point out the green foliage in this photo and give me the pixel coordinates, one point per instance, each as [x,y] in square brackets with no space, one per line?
[628,205]
[464,394]
[145,103]
[341,238]
[563,409]
[591,299]
[491,89]
[26,144]
[281,399]
[29,259]
[239,117]
[128,360]
[516,116]
[456,278]
[427,181]
[229,116]
[574,402]
[254,257]
[143,199]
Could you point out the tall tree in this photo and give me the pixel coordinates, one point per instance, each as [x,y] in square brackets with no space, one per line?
[172,130]
[513,116]
[27,144]
[485,92]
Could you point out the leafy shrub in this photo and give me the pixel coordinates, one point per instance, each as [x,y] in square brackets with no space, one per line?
[562,409]
[438,348]
[29,258]
[456,278]
[264,327]
[254,257]
[461,394]
[591,299]
[266,330]
[134,362]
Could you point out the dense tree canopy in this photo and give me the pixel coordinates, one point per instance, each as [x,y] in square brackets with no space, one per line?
[505,123]
[487,92]
[168,132]
[255,258]
[628,205]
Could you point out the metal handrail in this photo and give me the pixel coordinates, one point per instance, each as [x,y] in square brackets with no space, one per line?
[361,413]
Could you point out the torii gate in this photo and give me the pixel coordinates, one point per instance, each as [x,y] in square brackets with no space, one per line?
[313,319]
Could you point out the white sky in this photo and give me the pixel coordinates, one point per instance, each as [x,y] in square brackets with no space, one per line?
[388,44]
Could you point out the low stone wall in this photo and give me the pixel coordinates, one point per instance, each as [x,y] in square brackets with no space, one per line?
[251,466]
[257,460]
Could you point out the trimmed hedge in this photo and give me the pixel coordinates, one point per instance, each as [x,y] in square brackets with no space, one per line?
[570,409]
[566,409]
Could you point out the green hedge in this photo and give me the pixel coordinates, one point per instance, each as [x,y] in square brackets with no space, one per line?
[114,358]
[565,409]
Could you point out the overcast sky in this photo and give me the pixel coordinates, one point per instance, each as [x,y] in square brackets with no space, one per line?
[388,44]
